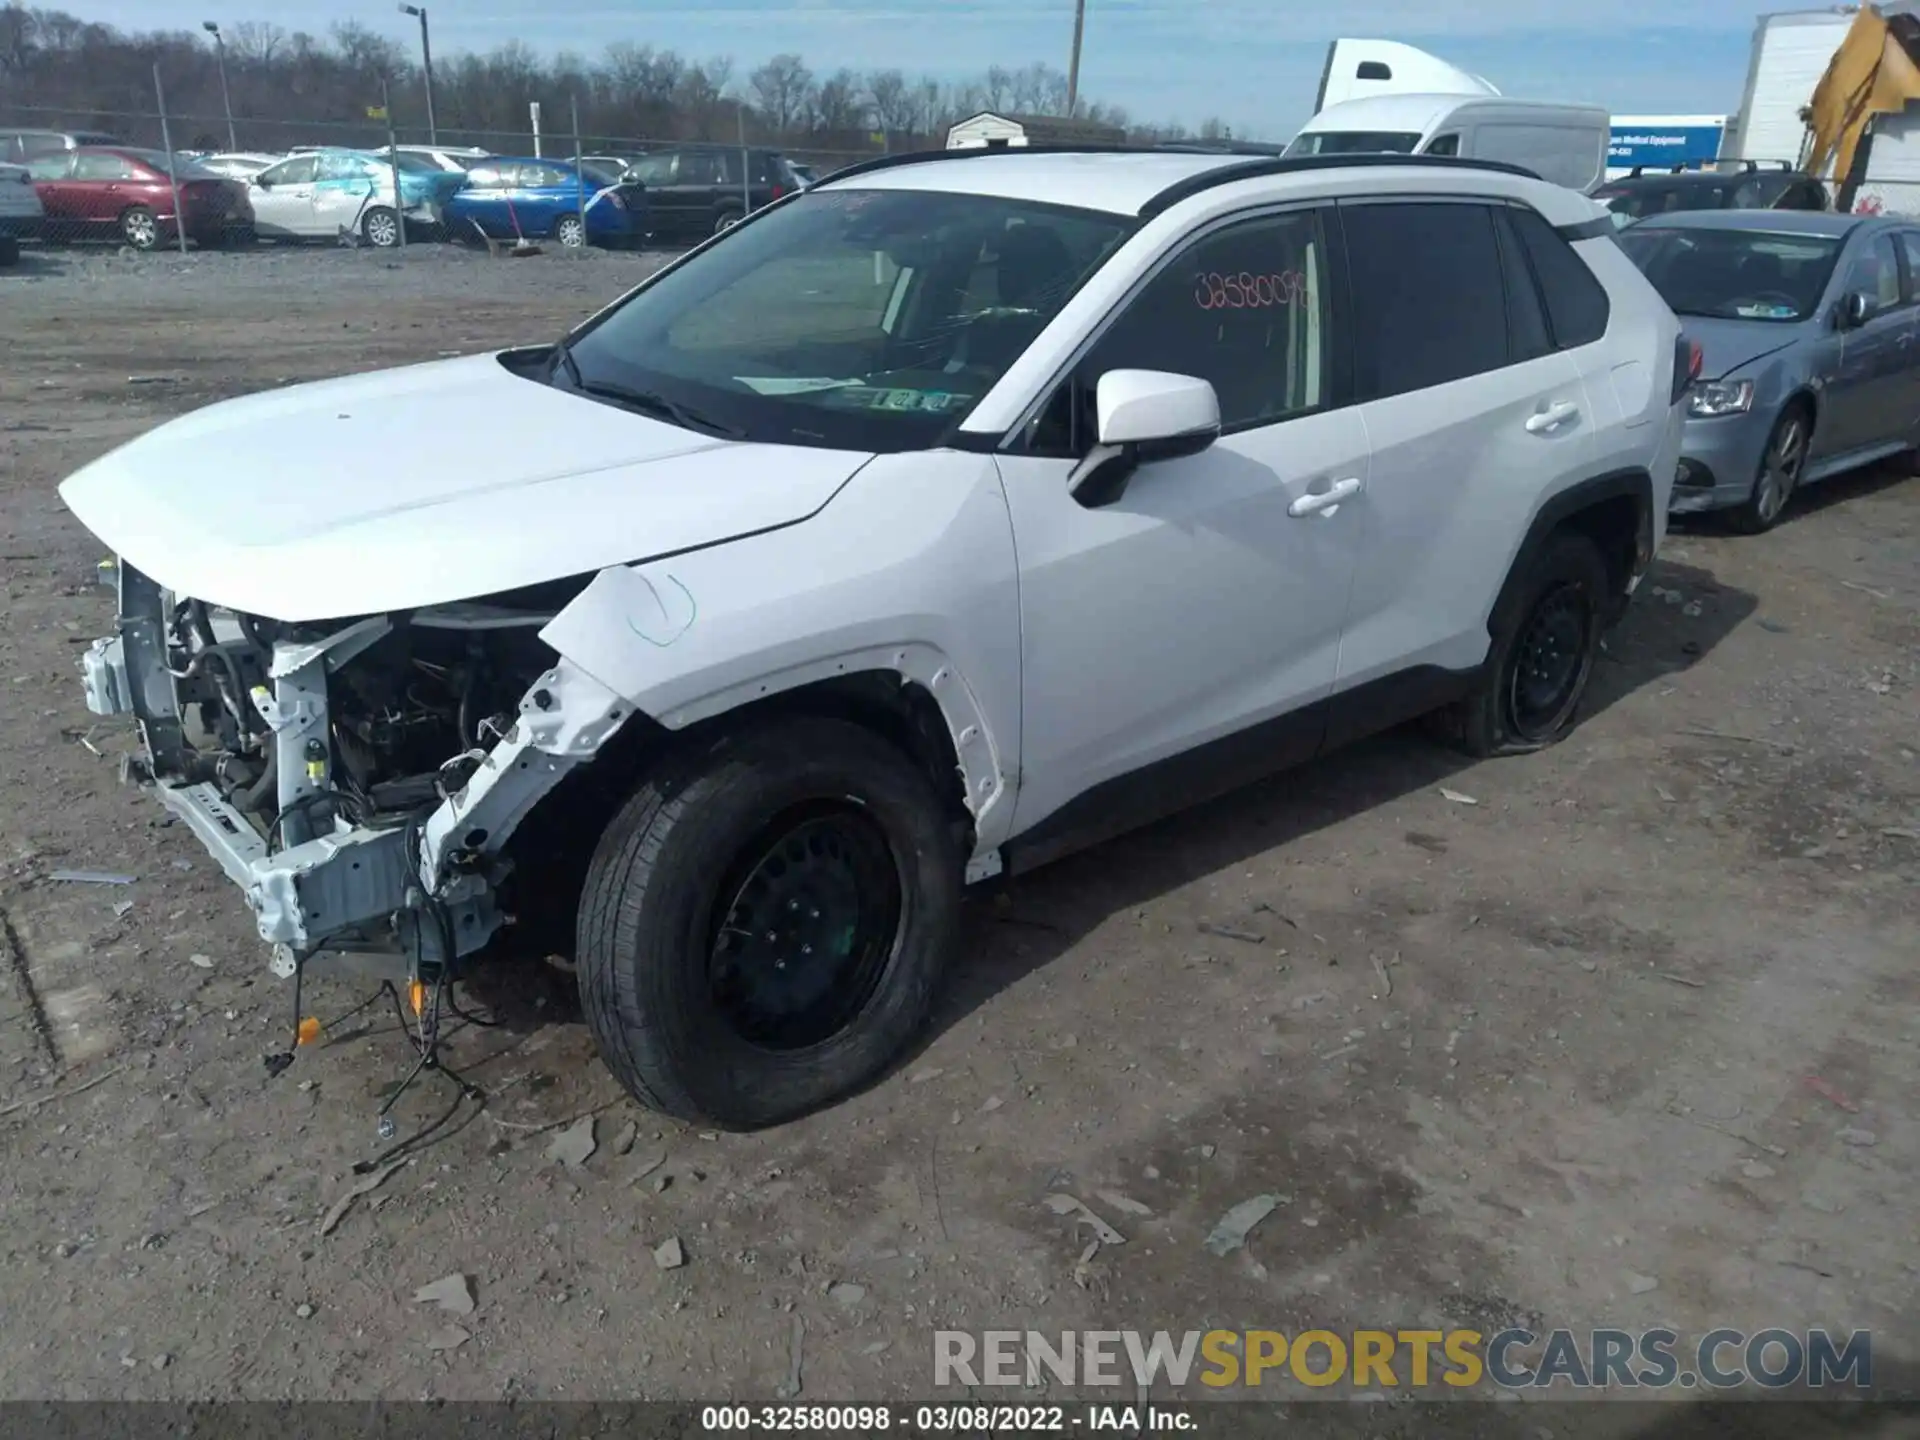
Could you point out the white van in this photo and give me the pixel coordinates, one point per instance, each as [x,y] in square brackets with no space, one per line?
[1565,144]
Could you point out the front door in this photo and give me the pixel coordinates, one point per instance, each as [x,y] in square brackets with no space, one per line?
[1180,639]
[345,187]
[282,198]
[1866,402]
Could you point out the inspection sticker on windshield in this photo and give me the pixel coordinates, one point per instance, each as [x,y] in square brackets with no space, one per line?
[1764,312]
[929,401]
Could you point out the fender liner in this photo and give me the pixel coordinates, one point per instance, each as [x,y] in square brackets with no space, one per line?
[1634,483]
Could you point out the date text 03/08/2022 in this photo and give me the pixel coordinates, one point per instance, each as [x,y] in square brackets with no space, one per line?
[960,1419]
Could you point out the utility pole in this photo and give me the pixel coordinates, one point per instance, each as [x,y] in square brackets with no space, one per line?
[426,66]
[1073,65]
[226,100]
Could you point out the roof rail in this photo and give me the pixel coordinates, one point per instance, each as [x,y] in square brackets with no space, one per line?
[1257,165]
[1290,164]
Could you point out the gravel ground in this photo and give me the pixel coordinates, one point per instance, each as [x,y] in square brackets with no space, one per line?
[1630,1040]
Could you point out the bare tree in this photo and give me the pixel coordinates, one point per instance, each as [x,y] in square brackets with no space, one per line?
[289,87]
[782,89]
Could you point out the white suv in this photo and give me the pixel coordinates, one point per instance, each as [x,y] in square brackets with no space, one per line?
[953,514]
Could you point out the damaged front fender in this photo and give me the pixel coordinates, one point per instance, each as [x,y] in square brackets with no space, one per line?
[921,582]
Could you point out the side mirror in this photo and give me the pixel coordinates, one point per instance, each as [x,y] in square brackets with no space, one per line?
[1142,416]
[1162,415]
[1854,309]
[260,184]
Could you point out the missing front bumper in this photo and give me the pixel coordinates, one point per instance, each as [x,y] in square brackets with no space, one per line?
[389,897]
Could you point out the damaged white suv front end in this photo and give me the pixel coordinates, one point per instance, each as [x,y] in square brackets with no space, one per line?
[295,766]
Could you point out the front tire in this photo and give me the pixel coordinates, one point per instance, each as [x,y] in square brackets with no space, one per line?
[1536,673]
[381,227]
[571,232]
[1779,474]
[765,922]
[9,251]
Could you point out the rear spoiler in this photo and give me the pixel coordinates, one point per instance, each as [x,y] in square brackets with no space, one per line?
[1598,228]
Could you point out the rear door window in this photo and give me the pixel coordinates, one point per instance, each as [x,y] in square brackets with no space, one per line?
[1428,313]
[1577,307]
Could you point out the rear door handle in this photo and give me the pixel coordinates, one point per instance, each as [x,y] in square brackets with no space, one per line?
[1553,417]
[1325,502]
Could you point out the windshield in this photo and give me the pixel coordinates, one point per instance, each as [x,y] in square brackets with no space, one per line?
[602,172]
[1355,142]
[851,319]
[1734,274]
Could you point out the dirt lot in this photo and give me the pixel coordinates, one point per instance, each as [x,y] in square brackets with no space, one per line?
[1629,1040]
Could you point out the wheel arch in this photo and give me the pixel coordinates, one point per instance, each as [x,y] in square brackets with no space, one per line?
[1614,510]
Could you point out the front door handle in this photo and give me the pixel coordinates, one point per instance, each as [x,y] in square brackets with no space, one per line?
[1552,418]
[1326,501]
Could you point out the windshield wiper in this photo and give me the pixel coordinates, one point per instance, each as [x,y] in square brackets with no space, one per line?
[651,402]
[647,402]
[563,360]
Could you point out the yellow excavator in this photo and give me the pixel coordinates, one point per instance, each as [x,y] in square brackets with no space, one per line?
[1876,71]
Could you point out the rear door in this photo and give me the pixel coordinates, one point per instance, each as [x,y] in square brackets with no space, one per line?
[282,198]
[1471,412]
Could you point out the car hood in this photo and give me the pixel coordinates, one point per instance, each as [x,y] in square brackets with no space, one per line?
[1730,345]
[425,485]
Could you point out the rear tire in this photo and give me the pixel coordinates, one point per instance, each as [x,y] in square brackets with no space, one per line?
[726,220]
[1779,474]
[9,251]
[381,227]
[139,227]
[1536,672]
[811,848]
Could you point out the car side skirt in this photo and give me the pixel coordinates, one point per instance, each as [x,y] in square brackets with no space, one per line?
[1205,772]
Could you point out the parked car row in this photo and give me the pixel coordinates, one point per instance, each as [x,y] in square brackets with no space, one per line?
[92,185]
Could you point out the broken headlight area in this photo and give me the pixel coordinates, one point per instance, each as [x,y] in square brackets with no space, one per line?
[358,779]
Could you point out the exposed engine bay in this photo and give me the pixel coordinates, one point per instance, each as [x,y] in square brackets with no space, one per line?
[409,717]
[358,778]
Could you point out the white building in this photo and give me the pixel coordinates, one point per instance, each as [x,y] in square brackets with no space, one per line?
[990,131]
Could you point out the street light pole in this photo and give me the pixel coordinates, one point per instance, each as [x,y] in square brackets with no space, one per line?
[426,65]
[226,100]
[1073,65]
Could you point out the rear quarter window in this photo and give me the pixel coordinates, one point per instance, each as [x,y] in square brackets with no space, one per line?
[1577,305]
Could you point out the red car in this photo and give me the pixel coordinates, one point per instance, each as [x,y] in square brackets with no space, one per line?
[97,190]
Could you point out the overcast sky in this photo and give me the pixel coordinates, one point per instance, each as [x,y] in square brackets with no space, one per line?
[1254,64]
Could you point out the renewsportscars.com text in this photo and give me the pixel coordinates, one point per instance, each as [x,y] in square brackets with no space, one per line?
[1395,1359]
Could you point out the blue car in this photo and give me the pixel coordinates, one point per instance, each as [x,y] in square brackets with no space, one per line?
[509,197]
[1810,338]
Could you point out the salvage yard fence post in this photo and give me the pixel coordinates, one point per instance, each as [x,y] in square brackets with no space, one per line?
[173,161]
[393,162]
[579,173]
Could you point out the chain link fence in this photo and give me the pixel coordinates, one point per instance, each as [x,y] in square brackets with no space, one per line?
[102,177]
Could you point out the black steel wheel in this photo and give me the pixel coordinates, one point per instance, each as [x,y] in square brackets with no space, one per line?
[765,922]
[812,918]
[1545,640]
[1549,666]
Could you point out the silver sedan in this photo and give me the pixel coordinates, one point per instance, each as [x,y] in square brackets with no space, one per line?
[1811,339]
